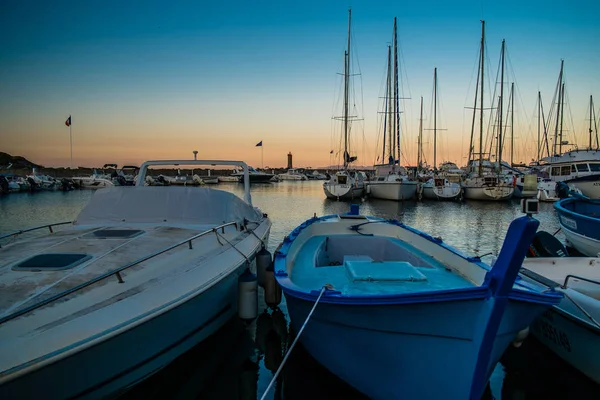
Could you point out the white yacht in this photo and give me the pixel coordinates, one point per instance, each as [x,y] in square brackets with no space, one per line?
[391,183]
[578,168]
[142,275]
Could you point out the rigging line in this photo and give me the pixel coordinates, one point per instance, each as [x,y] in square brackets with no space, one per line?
[327,286]
[231,244]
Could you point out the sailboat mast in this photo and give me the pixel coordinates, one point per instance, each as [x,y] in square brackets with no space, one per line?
[420,141]
[500,109]
[389,109]
[539,145]
[559,87]
[481,99]
[346,89]
[590,128]
[435,118]
[595,124]
[512,123]
[562,117]
[396,95]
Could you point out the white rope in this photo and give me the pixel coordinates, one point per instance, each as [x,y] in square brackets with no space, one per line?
[327,286]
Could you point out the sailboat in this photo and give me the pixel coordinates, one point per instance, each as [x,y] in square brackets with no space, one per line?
[579,169]
[391,181]
[485,181]
[442,186]
[346,184]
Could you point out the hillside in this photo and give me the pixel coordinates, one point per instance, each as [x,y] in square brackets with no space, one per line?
[17,162]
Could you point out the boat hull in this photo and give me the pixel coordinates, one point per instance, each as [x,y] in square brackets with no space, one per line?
[580,226]
[398,191]
[131,356]
[442,192]
[337,191]
[570,338]
[394,340]
[489,193]
[589,186]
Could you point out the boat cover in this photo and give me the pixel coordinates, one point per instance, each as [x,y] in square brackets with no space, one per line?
[167,205]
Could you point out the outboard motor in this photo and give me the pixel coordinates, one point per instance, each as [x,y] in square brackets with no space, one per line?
[562,190]
[546,245]
[3,185]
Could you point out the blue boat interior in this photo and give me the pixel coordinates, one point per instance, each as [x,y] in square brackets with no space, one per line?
[587,208]
[362,265]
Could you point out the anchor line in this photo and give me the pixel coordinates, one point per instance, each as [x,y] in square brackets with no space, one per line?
[327,286]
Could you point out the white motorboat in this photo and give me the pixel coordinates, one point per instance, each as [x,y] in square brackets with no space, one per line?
[292,175]
[94,181]
[142,275]
[570,329]
[227,178]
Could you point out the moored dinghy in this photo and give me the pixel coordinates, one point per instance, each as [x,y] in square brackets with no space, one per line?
[141,276]
[397,306]
[580,222]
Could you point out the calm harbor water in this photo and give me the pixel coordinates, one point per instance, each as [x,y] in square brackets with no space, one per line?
[239,361]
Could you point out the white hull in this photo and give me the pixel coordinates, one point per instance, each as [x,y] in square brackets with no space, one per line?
[92,183]
[585,245]
[285,177]
[337,191]
[547,195]
[490,193]
[590,189]
[387,190]
[229,179]
[123,360]
[441,192]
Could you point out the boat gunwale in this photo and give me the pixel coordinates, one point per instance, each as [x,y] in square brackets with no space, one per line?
[561,209]
[533,294]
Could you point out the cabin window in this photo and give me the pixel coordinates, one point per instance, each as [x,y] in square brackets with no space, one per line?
[565,170]
[555,171]
[595,167]
[381,179]
[582,167]
[52,262]
[490,181]
[342,179]
[573,169]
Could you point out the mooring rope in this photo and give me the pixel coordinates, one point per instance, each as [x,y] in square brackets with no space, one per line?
[582,310]
[326,287]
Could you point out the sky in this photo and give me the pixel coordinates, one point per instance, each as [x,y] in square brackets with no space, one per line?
[156,80]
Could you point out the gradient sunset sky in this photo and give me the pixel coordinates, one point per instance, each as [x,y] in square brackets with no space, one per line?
[156,80]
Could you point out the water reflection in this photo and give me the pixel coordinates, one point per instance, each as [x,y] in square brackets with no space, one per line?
[239,361]
[224,366]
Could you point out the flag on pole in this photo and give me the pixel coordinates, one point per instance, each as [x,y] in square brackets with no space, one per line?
[68,121]
[259,144]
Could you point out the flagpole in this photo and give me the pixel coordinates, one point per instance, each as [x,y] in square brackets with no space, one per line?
[262,163]
[71,140]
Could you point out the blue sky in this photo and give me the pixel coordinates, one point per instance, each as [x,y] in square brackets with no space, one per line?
[158,79]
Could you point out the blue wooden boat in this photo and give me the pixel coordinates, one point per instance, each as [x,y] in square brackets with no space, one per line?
[400,313]
[579,219]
